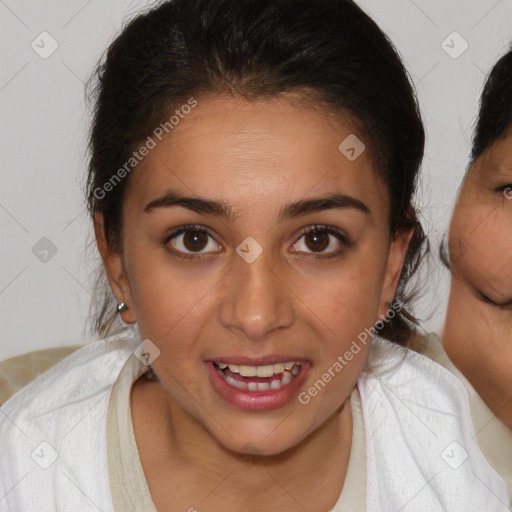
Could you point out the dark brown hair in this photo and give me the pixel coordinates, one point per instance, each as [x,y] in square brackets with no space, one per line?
[493,120]
[257,48]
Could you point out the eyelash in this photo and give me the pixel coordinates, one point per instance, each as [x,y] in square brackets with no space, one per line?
[486,299]
[342,238]
[179,231]
[504,188]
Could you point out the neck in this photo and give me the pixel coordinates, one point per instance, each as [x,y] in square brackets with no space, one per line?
[496,396]
[476,338]
[309,475]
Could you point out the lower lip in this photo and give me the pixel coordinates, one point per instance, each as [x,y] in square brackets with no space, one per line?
[256,400]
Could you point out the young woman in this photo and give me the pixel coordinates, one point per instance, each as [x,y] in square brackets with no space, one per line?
[477,335]
[253,165]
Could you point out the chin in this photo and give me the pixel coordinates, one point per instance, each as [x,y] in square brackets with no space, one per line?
[258,440]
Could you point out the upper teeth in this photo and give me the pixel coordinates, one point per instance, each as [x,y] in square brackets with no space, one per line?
[258,371]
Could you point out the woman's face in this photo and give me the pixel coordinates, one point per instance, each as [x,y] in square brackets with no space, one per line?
[478,334]
[249,289]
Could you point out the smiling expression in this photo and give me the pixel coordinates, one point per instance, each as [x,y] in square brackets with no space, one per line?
[239,338]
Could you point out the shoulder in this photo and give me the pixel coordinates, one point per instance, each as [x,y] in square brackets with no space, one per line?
[53,431]
[18,371]
[420,436]
[419,393]
[80,375]
[494,437]
[400,367]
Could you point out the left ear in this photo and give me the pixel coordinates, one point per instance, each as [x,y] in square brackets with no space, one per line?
[397,252]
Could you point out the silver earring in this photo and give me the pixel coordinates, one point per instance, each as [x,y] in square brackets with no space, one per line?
[121,307]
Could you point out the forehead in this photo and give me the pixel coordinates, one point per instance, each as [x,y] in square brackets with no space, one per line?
[496,161]
[244,151]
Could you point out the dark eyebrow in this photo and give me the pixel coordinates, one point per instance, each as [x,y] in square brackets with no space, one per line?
[289,211]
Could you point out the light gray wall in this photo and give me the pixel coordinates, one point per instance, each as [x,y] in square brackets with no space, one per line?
[44,124]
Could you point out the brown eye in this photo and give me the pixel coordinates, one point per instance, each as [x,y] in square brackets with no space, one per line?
[195,240]
[189,241]
[318,239]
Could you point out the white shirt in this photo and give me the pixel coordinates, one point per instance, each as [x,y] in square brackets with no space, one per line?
[128,484]
[53,436]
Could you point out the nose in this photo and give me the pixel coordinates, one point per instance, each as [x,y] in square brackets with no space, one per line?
[256,300]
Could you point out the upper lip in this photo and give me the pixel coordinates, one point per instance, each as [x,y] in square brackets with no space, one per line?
[258,361]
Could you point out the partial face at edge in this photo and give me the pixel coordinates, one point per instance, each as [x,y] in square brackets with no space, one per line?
[481,226]
[199,301]
[478,334]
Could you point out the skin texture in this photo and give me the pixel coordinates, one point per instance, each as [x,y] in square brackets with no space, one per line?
[256,157]
[477,334]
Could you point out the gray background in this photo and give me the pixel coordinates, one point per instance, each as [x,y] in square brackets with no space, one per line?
[44,296]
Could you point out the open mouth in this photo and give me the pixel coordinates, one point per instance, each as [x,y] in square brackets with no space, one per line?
[258,378]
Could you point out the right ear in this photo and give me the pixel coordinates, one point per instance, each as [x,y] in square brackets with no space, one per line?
[116,273]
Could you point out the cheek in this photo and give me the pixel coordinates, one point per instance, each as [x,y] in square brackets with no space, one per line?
[348,308]
[495,234]
[348,302]
[168,297]
[177,301]
[477,335]
[353,303]
[481,249]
